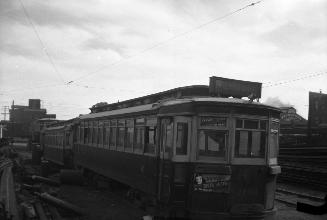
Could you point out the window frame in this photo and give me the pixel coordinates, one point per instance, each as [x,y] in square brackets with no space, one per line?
[271,133]
[95,126]
[129,124]
[165,122]
[100,133]
[121,124]
[226,129]
[139,124]
[151,122]
[249,160]
[106,130]
[188,121]
[112,125]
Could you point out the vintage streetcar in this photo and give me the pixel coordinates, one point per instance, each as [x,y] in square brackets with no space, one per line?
[192,152]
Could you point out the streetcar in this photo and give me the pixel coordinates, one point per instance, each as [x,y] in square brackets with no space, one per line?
[199,152]
[56,142]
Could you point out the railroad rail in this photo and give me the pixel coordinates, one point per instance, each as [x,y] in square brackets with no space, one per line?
[282,196]
[304,164]
[7,192]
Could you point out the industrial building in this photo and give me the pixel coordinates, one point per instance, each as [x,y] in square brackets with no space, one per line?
[21,118]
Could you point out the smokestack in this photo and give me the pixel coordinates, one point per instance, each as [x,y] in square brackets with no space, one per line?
[34,103]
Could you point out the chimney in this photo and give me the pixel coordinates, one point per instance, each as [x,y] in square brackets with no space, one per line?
[34,103]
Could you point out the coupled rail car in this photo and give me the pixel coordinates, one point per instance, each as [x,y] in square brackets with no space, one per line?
[57,143]
[191,151]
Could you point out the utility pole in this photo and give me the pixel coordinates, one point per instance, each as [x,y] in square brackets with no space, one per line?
[5,113]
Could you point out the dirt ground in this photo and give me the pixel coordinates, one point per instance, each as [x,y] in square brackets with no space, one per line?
[289,213]
[100,204]
[106,205]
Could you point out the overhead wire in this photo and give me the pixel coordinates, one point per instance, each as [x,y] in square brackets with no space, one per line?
[44,48]
[164,42]
[294,80]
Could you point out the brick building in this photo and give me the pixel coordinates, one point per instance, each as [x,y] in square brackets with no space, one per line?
[21,118]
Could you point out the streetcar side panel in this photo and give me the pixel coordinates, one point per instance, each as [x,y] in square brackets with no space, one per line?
[121,148]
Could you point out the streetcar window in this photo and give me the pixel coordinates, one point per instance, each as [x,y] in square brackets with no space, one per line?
[129,130]
[112,138]
[106,134]
[251,124]
[167,137]
[67,137]
[129,137]
[150,139]
[181,139]
[121,137]
[90,129]
[139,139]
[212,143]
[85,135]
[95,134]
[105,137]
[250,139]
[78,133]
[274,133]
[81,135]
[100,136]
[239,123]
[120,134]
[263,125]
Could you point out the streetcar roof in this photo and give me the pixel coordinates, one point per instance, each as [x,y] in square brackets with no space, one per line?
[55,128]
[153,106]
[215,100]
[139,108]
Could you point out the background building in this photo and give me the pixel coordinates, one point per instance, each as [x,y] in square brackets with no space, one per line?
[21,118]
[317,118]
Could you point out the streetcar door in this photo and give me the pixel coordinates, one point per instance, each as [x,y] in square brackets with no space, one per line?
[181,156]
[165,154]
[182,139]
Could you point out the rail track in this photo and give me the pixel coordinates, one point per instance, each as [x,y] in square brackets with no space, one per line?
[304,164]
[290,198]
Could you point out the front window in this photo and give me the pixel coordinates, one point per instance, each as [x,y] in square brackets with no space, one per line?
[250,138]
[212,137]
[212,143]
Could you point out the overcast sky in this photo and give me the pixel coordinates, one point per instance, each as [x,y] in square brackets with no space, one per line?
[73,54]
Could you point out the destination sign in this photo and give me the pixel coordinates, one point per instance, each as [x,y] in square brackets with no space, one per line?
[211,183]
[213,122]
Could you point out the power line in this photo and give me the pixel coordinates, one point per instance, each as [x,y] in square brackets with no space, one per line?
[294,80]
[165,41]
[269,84]
[41,42]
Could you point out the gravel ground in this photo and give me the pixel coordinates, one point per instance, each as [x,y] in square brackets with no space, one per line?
[105,205]
[100,204]
[289,213]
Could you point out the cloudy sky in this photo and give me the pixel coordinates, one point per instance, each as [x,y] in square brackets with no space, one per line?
[73,54]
